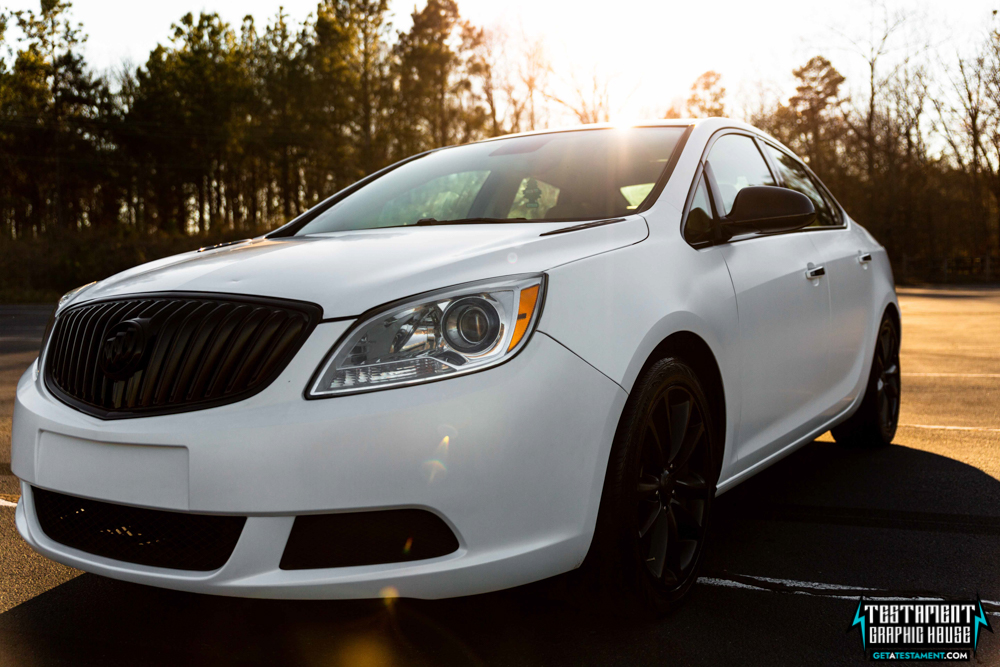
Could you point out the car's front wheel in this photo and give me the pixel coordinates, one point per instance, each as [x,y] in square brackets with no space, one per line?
[874,423]
[658,491]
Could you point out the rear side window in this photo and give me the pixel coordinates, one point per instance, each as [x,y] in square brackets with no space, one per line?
[737,163]
[797,178]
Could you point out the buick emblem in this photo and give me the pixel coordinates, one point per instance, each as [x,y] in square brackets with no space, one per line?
[122,349]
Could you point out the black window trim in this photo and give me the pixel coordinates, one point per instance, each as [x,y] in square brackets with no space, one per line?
[823,190]
[703,168]
[714,194]
[701,172]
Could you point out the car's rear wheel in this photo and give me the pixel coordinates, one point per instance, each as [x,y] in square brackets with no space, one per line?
[874,424]
[658,492]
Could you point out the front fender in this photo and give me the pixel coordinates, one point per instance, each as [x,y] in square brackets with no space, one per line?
[614,309]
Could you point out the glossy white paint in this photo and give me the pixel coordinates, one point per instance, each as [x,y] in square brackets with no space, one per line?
[512,458]
[350,272]
[853,287]
[784,337]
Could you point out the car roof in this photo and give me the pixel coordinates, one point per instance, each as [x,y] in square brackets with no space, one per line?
[707,125]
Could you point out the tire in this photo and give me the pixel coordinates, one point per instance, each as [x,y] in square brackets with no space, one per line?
[658,492]
[874,424]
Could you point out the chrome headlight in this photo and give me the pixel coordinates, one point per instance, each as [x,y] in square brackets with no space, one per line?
[451,332]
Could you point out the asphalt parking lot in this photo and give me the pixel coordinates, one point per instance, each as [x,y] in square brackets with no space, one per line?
[791,551]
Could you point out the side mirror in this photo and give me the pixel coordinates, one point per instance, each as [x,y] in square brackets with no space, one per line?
[765,208]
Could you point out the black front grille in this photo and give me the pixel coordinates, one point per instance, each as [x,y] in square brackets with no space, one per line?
[193,351]
[158,538]
[366,538]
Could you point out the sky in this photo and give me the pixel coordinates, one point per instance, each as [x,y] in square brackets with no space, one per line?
[651,50]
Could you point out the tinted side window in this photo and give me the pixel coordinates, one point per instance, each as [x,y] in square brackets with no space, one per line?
[699,221]
[797,178]
[736,164]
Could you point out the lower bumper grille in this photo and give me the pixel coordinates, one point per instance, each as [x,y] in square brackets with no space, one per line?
[366,538]
[158,538]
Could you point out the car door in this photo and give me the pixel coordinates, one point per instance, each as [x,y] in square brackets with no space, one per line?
[846,262]
[784,312]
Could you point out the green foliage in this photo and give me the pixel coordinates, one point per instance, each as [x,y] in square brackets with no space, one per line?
[229,131]
[223,131]
[924,208]
[707,95]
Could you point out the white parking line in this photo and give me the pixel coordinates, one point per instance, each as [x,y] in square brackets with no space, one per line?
[953,375]
[816,589]
[953,428]
[810,584]
[7,503]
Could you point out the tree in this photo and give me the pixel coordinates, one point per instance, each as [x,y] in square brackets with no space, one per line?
[591,101]
[426,63]
[534,74]
[673,112]
[816,94]
[370,61]
[227,130]
[48,136]
[707,96]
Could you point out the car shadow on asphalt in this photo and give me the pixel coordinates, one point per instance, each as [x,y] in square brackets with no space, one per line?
[894,519]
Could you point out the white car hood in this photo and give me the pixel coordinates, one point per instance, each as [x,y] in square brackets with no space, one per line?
[350,272]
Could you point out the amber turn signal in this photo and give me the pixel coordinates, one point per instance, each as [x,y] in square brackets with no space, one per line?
[525,309]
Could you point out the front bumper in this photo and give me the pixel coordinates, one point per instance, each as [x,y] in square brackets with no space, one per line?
[512,459]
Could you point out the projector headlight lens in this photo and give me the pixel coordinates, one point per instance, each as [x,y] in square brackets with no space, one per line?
[471,325]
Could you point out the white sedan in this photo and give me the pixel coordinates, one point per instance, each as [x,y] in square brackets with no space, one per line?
[480,367]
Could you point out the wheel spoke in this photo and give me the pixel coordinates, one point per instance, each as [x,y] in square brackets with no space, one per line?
[659,544]
[660,452]
[886,343]
[691,485]
[685,517]
[670,570]
[688,445]
[648,485]
[686,550]
[679,416]
[655,510]
[891,388]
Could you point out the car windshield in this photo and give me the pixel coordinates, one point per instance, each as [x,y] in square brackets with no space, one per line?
[561,176]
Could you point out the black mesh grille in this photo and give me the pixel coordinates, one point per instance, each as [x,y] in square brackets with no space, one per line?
[158,538]
[196,351]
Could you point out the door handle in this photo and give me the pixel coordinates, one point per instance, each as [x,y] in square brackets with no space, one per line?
[815,272]
[864,257]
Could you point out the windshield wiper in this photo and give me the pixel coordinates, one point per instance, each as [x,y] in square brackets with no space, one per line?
[422,222]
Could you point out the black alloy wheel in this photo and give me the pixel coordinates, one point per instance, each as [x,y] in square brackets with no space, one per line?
[658,491]
[875,421]
[888,383]
[673,489]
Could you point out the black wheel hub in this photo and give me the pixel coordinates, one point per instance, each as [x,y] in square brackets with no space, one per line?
[666,484]
[673,491]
